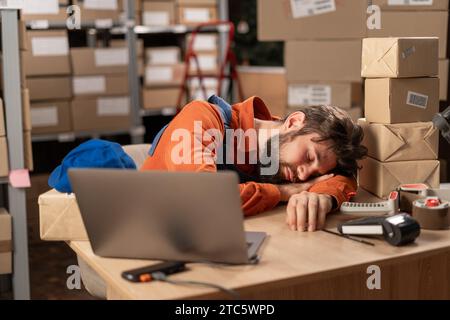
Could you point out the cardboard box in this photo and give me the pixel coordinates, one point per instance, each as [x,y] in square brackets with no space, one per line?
[50,88]
[51,117]
[60,217]
[381,178]
[100,85]
[158,13]
[443,79]
[28,150]
[268,83]
[343,95]
[4,158]
[119,43]
[41,19]
[399,57]
[94,11]
[163,56]
[89,61]
[157,76]
[338,61]
[5,242]
[414,24]
[208,61]
[105,113]
[39,185]
[401,100]
[49,54]
[2,119]
[204,42]
[197,2]
[159,98]
[26,110]
[401,142]
[299,20]
[408,5]
[192,15]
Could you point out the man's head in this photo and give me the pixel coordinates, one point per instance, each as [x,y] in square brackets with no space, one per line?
[314,141]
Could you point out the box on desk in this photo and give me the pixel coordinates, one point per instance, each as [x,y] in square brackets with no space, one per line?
[5,242]
[381,178]
[158,13]
[414,24]
[103,113]
[49,54]
[293,20]
[401,100]
[332,60]
[51,117]
[90,61]
[400,142]
[99,85]
[344,95]
[399,57]
[50,88]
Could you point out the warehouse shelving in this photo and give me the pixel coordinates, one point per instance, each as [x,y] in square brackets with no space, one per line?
[13,115]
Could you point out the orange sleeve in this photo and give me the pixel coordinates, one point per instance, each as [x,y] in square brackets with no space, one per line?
[255,197]
[338,187]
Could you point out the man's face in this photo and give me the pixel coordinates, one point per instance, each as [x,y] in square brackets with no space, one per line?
[301,158]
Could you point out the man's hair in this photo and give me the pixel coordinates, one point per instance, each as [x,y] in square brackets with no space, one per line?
[334,125]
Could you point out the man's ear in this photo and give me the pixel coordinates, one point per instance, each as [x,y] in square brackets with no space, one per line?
[295,120]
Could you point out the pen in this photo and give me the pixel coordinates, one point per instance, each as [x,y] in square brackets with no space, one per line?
[349,237]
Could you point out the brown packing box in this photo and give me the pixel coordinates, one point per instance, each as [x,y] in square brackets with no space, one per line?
[158,13]
[406,5]
[323,61]
[48,54]
[5,242]
[204,42]
[26,113]
[90,15]
[414,24]
[103,113]
[345,20]
[162,56]
[90,61]
[4,158]
[200,2]
[208,61]
[28,150]
[2,119]
[157,76]
[343,95]
[99,85]
[192,15]
[60,17]
[51,117]
[381,178]
[119,43]
[401,142]
[50,88]
[399,57]
[268,83]
[159,98]
[401,100]
[39,185]
[443,79]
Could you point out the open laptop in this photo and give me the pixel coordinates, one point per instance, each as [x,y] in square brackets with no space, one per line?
[177,216]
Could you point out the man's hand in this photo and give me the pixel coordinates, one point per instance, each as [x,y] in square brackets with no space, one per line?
[308,210]
[288,190]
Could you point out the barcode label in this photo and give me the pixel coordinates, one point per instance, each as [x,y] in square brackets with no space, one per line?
[417,100]
[309,95]
[410,2]
[306,8]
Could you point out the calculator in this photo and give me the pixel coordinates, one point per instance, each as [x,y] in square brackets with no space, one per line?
[388,207]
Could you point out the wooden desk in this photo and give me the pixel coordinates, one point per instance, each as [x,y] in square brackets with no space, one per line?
[298,265]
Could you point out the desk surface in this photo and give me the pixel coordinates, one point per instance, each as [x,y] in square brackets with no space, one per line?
[285,256]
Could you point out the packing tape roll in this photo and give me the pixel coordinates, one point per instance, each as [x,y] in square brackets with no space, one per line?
[5,246]
[432,218]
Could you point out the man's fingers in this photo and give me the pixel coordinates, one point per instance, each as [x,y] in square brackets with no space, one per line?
[313,208]
[323,211]
[292,214]
[302,211]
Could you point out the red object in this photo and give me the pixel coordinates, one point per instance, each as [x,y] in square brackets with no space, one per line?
[432,203]
[229,58]
[393,195]
[145,277]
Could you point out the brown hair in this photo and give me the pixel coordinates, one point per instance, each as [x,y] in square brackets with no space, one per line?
[335,125]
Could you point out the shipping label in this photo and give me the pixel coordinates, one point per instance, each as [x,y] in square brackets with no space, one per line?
[306,8]
[417,100]
[307,95]
[119,106]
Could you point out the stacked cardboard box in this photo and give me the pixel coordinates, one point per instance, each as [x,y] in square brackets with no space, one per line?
[47,67]
[401,97]
[5,242]
[102,13]
[100,89]
[164,74]
[194,12]
[158,13]
[39,14]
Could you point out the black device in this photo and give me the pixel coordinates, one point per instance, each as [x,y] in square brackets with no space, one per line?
[145,274]
[397,230]
[442,122]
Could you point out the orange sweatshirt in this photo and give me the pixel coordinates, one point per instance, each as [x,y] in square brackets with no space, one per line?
[256,197]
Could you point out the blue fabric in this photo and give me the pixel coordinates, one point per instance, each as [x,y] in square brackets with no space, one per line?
[94,153]
[225,112]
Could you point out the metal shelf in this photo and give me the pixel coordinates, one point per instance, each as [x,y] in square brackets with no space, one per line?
[115,28]
[177,29]
[170,111]
[4,180]
[71,136]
